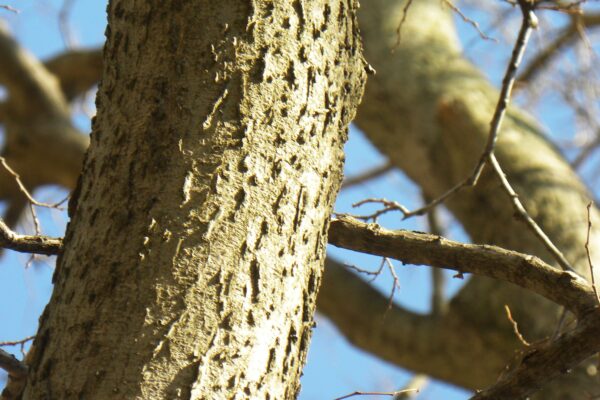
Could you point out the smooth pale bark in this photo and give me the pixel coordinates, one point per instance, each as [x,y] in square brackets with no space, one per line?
[192,261]
[428,110]
[41,144]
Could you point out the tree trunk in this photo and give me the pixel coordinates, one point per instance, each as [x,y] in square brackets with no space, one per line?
[194,255]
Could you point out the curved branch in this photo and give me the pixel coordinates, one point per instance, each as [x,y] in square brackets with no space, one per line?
[443,348]
[10,364]
[31,87]
[546,361]
[77,70]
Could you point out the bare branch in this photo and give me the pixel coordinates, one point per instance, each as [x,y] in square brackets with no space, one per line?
[24,189]
[10,364]
[565,38]
[31,86]
[529,272]
[547,360]
[367,176]
[529,22]
[29,244]
[469,21]
[17,342]
[77,70]
[525,217]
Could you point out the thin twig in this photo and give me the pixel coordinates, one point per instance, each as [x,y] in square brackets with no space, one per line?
[21,343]
[399,29]
[28,244]
[544,57]
[515,327]
[17,342]
[361,393]
[63,23]
[568,8]
[587,248]
[374,274]
[439,304]
[469,21]
[525,217]
[395,284]
[367,176]
[24,189]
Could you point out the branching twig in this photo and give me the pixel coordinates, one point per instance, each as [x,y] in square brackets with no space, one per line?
[469,21]
[24,189]
[28,244]
[395,285]
[17,342]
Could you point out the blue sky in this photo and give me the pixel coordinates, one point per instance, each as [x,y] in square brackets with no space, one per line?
[335,367]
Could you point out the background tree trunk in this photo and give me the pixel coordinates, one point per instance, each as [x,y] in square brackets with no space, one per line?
[428,110]
[193,258]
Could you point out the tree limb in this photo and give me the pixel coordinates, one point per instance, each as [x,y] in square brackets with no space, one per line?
[529,272]
[10,364]
[547,360]
[77,70]
[445,348]
[28,244]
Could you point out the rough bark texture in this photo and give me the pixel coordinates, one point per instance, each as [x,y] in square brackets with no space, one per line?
[192,262]
[428,110]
